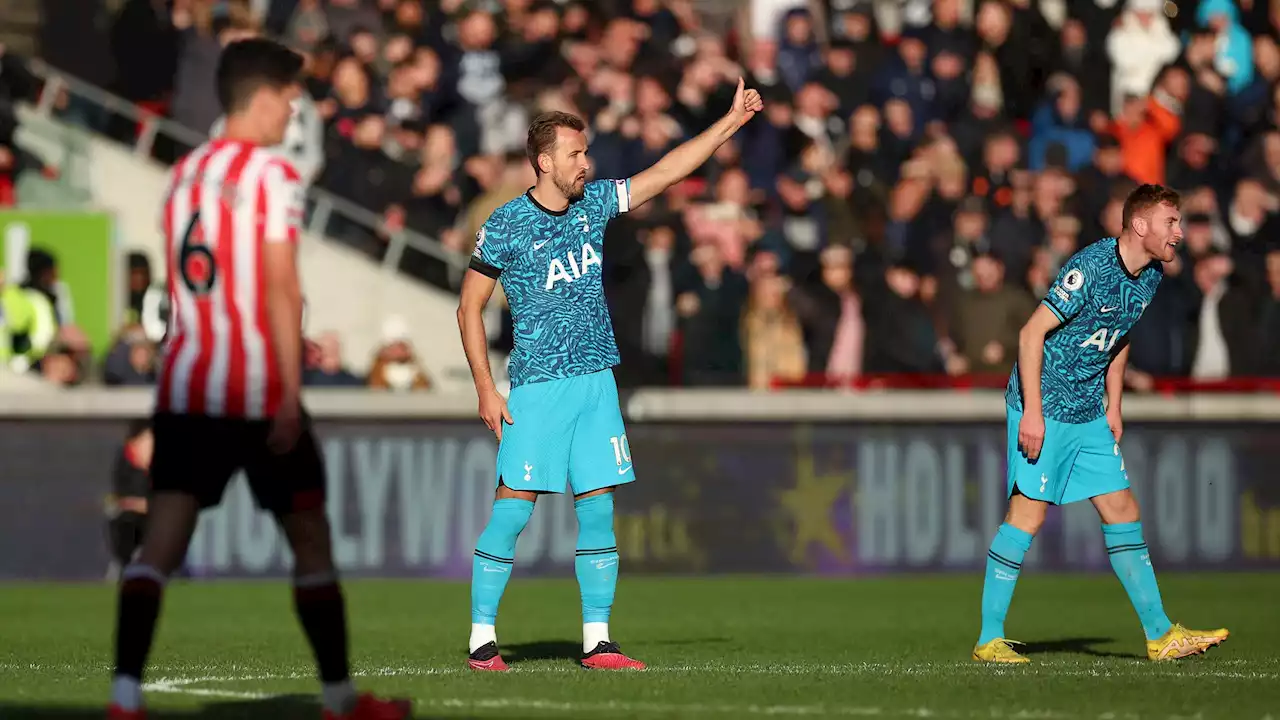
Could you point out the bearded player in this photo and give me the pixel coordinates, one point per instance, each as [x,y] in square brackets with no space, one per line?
[229,393]
[1064,441]
[563,424]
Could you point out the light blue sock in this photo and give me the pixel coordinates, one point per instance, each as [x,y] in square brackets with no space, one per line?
[1132,562]
[495,556]
[1004,563]
[597,557]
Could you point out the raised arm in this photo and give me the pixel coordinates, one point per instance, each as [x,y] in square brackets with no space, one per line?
[680,162]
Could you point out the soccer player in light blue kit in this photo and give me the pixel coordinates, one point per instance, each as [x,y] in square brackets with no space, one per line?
[563,424]
[1064,442]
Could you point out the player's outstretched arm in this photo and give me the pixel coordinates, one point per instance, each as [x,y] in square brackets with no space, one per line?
[680,162]
[1030,364]
[477,288]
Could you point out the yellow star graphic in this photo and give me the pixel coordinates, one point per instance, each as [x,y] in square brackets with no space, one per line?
[809,504]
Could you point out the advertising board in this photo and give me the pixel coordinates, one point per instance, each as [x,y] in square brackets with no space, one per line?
[409,497]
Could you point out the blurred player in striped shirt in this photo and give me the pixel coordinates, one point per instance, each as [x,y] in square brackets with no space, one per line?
[228,397]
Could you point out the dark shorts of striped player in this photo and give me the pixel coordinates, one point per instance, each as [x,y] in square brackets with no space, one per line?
[198,455]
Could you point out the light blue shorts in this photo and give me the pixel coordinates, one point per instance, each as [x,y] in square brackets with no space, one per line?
[1077,461]
[565,431]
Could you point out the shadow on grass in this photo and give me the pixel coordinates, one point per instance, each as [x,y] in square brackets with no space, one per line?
[287,707]
[571,650]
[1078,646]
[542,650]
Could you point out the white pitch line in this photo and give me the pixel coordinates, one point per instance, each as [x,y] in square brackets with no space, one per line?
[1144,670]
[180,688]
[188,686]
[696,708]
[643,707]
[880,669]
[1215,668]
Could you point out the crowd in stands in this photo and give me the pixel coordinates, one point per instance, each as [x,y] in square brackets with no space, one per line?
[922,169]
[41,345]
[15,84]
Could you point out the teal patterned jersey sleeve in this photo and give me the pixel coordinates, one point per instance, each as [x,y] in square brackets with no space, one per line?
[493,245]
[1070,292]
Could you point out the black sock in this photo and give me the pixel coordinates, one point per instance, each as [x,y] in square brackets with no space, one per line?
[323,615]
[126,536]
[141,588]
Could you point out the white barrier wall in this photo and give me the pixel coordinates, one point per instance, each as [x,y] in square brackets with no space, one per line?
[683,405]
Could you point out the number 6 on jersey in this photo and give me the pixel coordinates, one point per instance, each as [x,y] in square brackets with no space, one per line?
[196,265]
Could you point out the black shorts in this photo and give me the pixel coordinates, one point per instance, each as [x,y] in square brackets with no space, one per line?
[198,455]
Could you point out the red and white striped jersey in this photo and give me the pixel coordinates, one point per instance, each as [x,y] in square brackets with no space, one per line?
[226,201]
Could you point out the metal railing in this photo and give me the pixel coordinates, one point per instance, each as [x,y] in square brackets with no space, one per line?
[324,206]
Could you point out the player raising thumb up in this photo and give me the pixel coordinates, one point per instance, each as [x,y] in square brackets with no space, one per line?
[746,103]
[546,246]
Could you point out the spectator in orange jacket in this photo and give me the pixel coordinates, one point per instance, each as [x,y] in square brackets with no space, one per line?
[1147,125]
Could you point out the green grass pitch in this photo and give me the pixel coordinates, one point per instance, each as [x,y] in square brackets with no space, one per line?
[895,647]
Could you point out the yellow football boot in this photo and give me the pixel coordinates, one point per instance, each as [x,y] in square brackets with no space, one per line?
[999,650]
[1180,642]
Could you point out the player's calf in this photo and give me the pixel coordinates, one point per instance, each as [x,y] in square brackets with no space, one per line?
[1131,559]
[490,571]
[320,607]
[1004,566]
[321,610]
[141,590]
[596,566]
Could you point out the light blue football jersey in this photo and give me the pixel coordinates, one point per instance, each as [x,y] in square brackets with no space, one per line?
[550,266]
[1098,302]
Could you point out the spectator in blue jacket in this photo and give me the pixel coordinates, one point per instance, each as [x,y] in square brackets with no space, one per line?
[1060,120]
[1234,58]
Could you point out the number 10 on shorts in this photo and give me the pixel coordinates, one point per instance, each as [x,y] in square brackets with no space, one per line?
[621,452]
